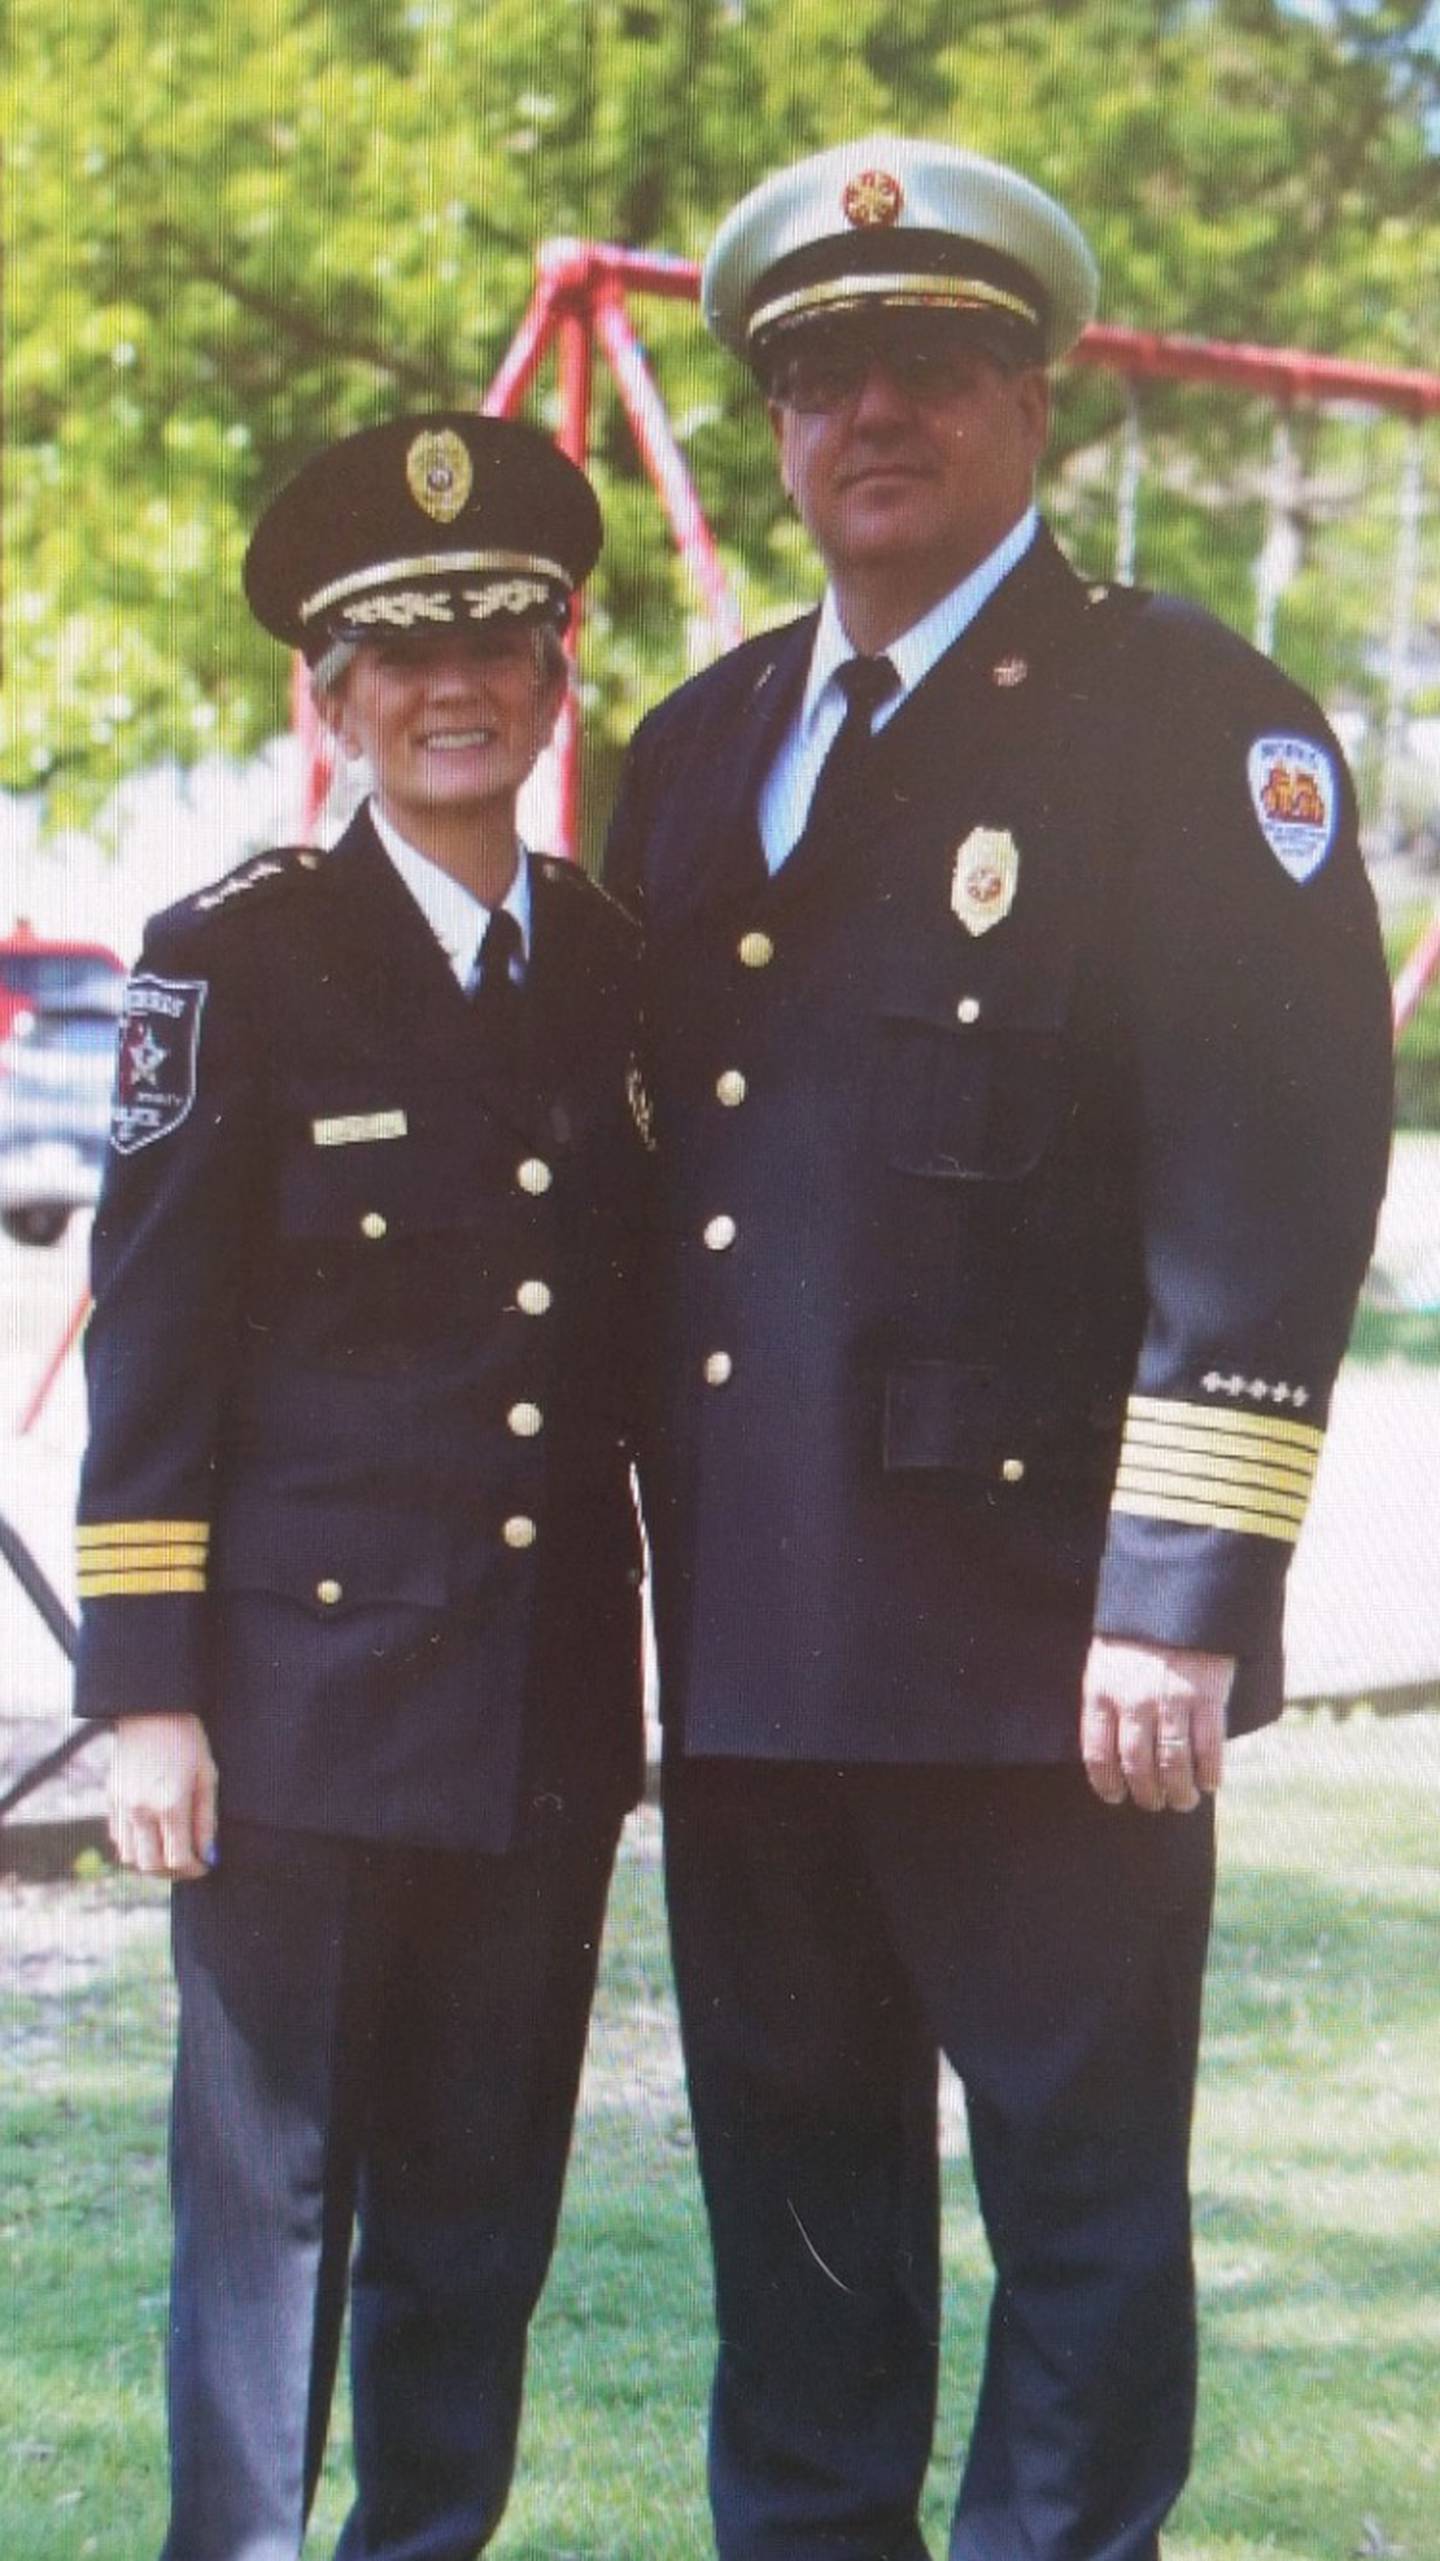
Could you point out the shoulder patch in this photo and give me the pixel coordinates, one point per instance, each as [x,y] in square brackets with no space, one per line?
[287,864]
[1295,794]
[156,1061]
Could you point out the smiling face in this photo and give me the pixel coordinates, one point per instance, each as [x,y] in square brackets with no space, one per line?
[450,723]
[906,483]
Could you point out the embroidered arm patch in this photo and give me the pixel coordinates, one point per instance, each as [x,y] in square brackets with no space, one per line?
[1295,796]
[157,1060]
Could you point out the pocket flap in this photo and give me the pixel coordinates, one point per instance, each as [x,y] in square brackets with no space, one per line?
[972,1419]
[332,1557]
[942,1414]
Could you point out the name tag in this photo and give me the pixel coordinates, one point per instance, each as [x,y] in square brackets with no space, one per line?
[352,1128]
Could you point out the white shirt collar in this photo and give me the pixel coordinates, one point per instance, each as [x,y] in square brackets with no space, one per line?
[455,916]
[916,651]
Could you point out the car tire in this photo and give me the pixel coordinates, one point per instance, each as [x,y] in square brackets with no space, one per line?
[42,1223]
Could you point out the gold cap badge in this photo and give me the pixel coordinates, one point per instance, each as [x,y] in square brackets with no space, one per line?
[440,474]
[987,874]
[873,200]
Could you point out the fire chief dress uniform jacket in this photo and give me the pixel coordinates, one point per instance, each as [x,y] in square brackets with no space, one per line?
[1020,1142]
[358,1492]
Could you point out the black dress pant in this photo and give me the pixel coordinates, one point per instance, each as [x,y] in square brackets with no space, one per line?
[384,2041]
[832,1930]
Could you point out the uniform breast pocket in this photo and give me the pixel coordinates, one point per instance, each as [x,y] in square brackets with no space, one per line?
[365,1167]
[974,1090]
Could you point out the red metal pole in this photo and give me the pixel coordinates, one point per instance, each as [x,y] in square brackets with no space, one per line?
[666,464]
[317,753]
[40,1396]
[1415,975]
[1284,373]
[575,367]
[643,271]
[522,358]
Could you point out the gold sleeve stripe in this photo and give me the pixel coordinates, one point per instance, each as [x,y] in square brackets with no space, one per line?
[1164,1507]
[1221,1423]
[1212,1449]
[139,1533]
[1235,1496]
[167,1551]
[1221,1467]
[139,1582]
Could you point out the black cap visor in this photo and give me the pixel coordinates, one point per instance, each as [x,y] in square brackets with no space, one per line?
[875,276]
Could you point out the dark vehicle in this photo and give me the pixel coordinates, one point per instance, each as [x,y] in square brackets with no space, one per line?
[59,1007]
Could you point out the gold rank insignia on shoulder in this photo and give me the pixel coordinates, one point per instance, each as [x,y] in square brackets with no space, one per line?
[240,881]
[439,474]
[985,879]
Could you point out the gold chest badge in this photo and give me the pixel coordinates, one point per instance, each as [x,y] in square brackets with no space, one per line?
[985,879]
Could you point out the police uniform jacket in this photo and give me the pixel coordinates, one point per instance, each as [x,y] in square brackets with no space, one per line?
[1020,1146]
[358,1485]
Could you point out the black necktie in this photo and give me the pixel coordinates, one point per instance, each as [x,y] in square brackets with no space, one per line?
[865,684]
[491,988]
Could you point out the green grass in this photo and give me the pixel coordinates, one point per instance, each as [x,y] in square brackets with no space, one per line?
[1317,2178]
[1403,1334]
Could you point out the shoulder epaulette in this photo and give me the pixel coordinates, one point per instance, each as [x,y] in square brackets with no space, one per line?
[576,879]
[1109,602]
[284,866]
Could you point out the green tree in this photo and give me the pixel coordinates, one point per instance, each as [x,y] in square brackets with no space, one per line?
[238,227]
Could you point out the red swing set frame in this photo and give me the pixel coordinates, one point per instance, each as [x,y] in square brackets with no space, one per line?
[579,310]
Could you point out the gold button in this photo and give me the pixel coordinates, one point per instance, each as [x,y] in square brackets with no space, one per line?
[309,862]
[373,1225]
[329,1592]
[718,1366]
[519,1530]
[968,1010]
[532,1298]
[1013,1469]
[731,1088]
[534,1175]
[719,1233]
[525,1421]
[756,950]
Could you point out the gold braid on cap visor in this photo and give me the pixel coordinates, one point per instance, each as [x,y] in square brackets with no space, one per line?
[435,564]
[896,293]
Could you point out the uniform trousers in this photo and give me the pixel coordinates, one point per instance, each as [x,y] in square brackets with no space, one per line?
[387,2042]
[834,1930]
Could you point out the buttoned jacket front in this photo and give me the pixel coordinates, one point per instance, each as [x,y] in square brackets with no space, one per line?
[358,1482]
[1019,1150]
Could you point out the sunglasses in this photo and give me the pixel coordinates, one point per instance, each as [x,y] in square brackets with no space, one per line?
[818,380]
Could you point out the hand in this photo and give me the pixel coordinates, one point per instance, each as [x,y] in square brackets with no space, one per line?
[1152,1722]
[162,1795]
